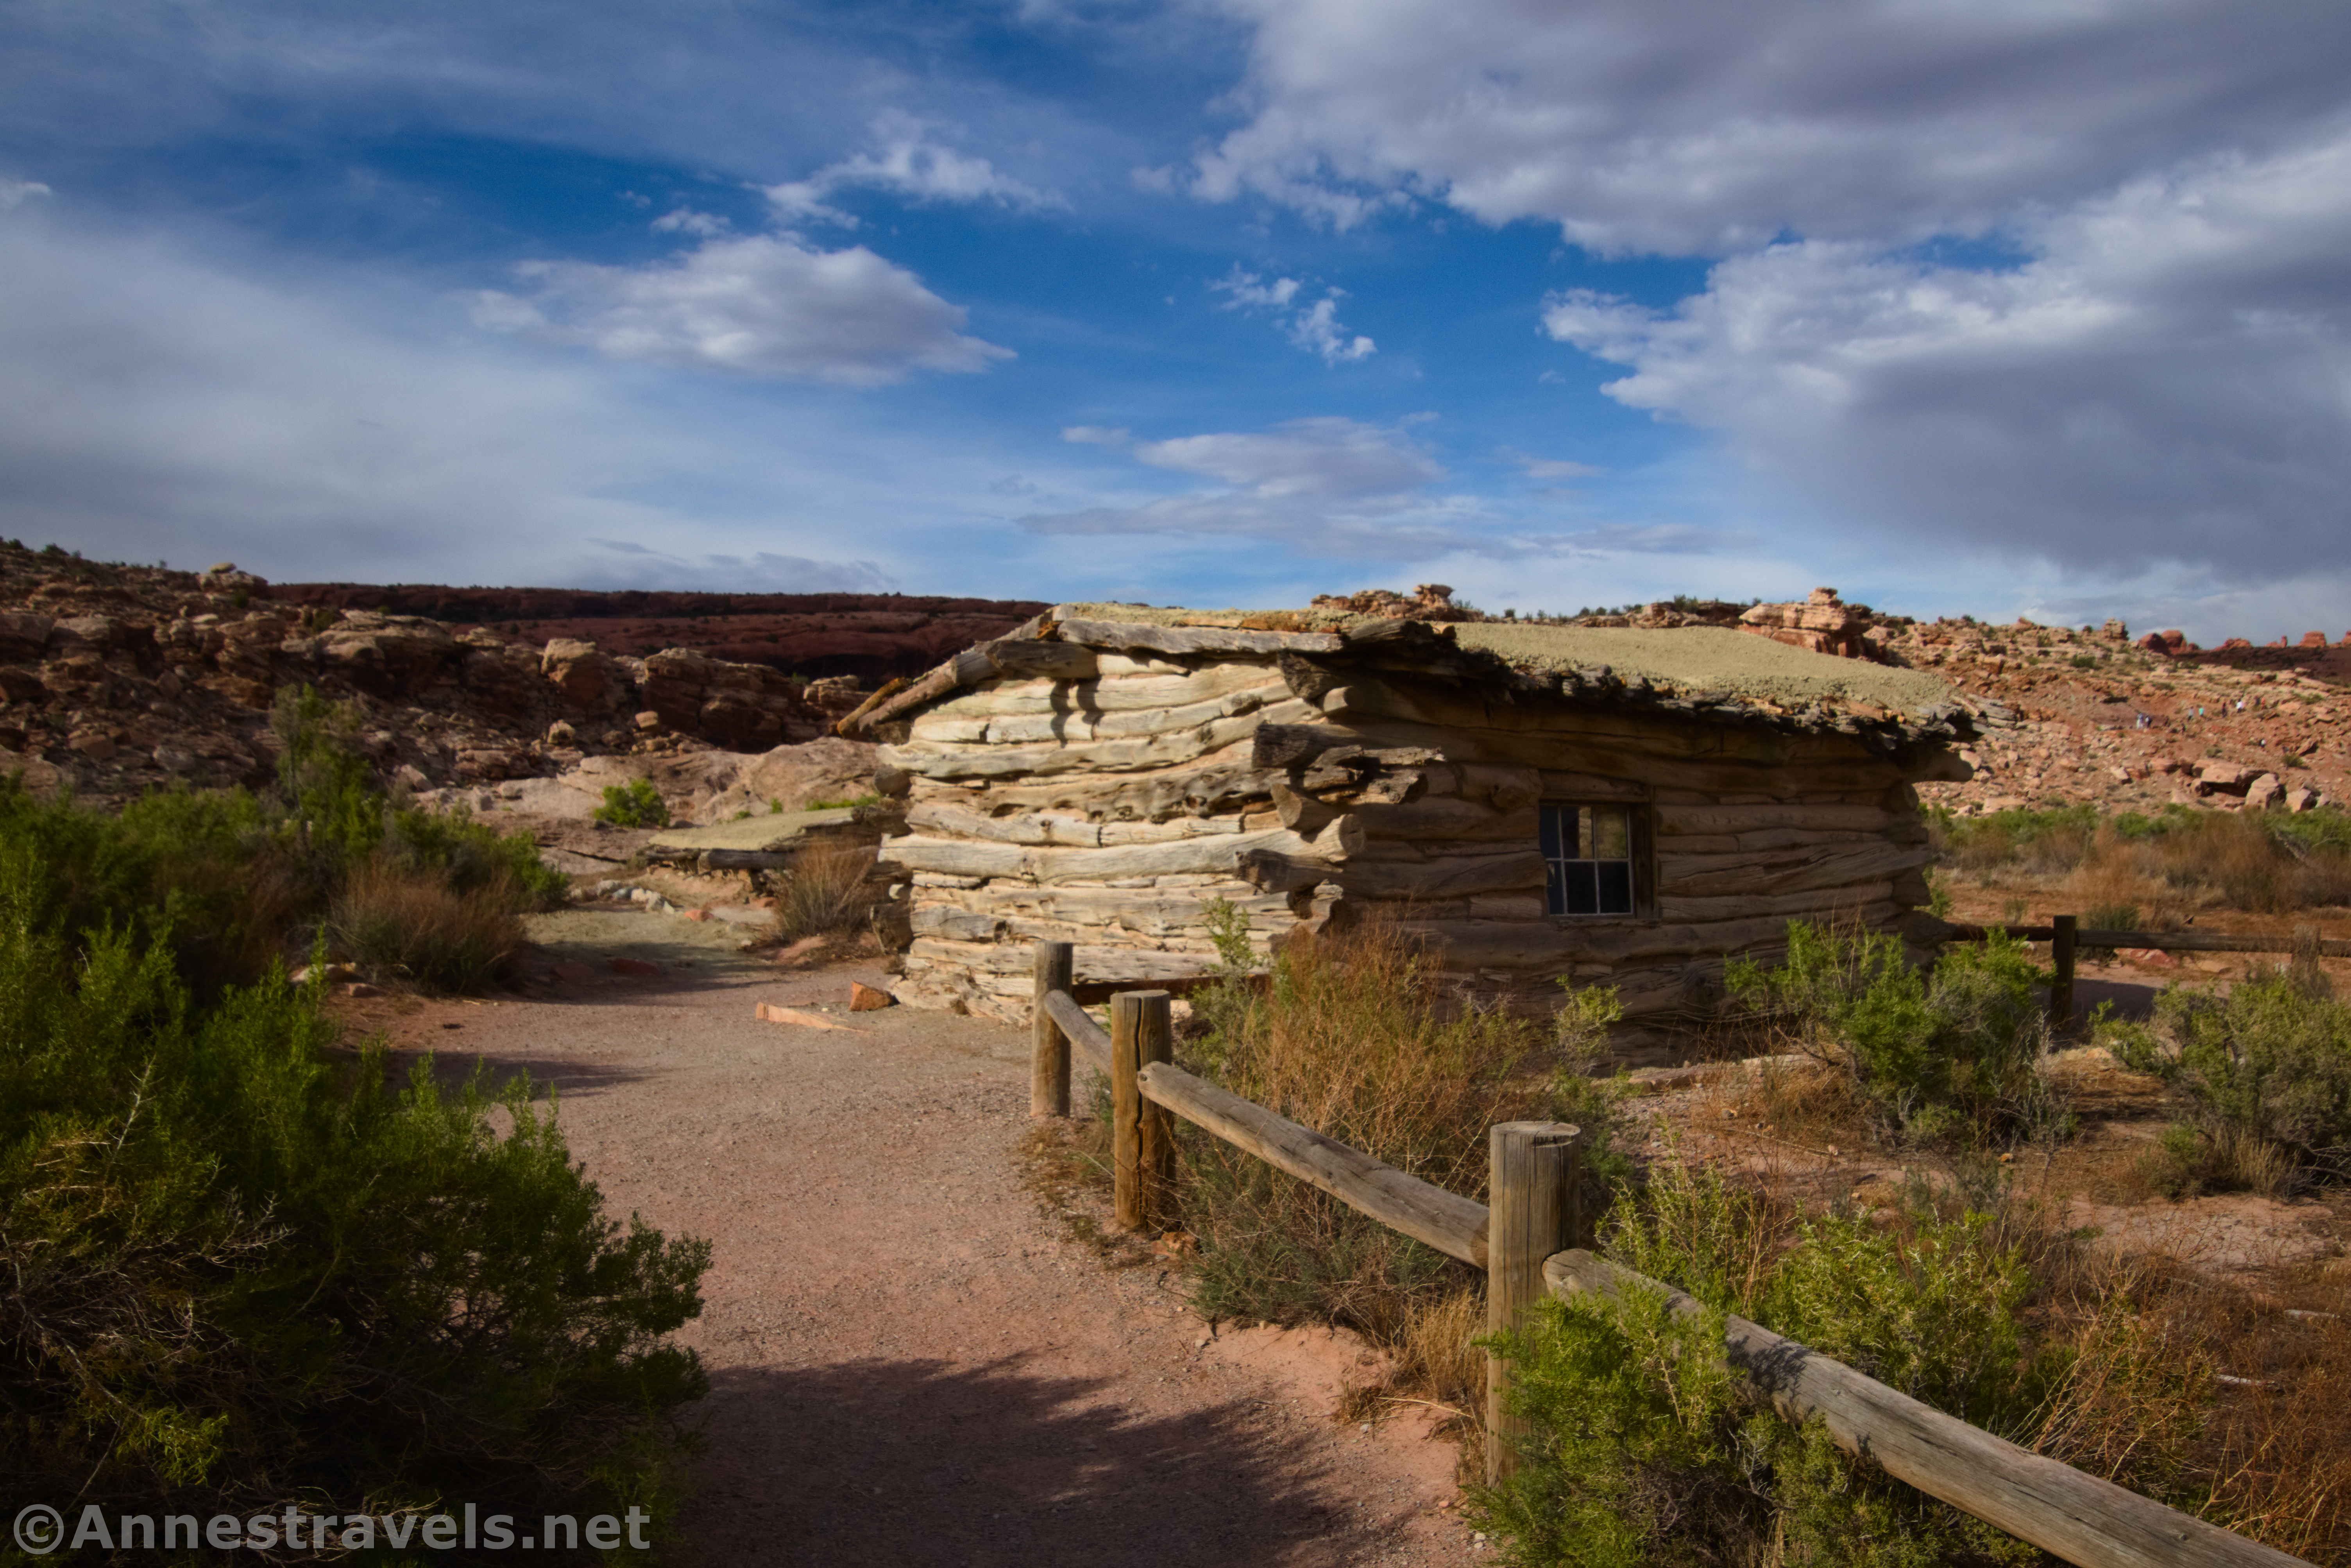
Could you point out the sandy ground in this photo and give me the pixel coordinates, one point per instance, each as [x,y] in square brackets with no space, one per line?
[907,1365]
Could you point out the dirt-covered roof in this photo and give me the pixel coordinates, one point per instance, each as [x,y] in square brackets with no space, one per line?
[1702,672]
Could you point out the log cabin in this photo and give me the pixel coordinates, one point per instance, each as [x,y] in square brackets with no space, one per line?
[1537,804]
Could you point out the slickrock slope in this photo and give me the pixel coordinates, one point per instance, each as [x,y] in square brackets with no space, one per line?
[869,636]
[122,678]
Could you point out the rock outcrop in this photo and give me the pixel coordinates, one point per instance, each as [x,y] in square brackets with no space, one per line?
[1822,624]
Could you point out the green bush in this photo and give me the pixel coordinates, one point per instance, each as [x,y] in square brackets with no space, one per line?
[469,857]
[245,1269]
[2269,1061]
[1950,1053]
[1648,1448]
[636,804]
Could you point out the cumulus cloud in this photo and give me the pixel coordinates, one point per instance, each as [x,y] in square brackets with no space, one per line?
[685,220]
[1639,126]
[765,305]
[908,162]
[14,193]
[157,401]
[2174,354]
[1314,328]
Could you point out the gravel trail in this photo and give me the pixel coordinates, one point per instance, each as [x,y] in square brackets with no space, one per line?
[908,1365]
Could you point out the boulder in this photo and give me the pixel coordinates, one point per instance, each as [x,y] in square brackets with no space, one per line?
[24,636]
[2301,799]
[2225,778]
[2263,792]
[2314,639]
[2170,643]
[1820,624]
[589,681]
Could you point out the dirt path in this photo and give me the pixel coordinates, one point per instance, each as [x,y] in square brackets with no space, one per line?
[908,1365]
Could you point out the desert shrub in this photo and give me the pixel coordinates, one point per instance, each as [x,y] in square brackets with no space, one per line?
[2268,1063]
[1648,1446]
[2038,841]
[333,809]
[636,804]
[1353,1038]
[208,875]
[868,798]
[418,926]
[468,857]
[246,1268]
[2262,863]
[826,892]
[1950,1053]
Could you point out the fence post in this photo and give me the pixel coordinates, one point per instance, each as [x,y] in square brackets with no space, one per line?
[1155,1041]
[1141,1023]
[1535,1213]
[1049,1061]
[2061,958]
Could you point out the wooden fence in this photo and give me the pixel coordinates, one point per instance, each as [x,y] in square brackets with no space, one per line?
[1532,1242]
[2066,936]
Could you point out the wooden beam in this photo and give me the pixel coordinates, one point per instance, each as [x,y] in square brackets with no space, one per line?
[1090,1039]
[1193,640]
[1454,1225]
[1048,1060]
[2079,1518]
[1533,1179]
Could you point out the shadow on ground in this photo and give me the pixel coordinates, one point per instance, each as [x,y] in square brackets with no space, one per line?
[920,1462]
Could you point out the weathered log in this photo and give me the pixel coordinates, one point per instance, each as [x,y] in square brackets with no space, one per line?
[1454,1225]
[931,759]
[1786,870]
[1824,901]
[2076,1517]
[1447,816]
[1448,876]
[1214,852]
[1279,745]
[1192,642]
[1158,797]
[1673,820]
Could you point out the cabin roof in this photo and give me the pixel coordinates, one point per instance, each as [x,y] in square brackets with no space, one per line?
[1702,672]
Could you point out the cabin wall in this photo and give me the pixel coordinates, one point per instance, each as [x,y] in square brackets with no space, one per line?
[1110,811]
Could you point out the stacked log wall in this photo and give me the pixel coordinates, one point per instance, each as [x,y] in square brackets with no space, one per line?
[1110,811]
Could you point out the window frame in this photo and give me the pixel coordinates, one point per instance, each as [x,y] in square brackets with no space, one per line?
[1640,859]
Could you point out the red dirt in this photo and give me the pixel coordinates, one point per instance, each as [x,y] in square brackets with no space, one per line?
[908,1364]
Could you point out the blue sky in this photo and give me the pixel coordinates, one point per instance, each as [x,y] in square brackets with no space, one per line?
[1998,308]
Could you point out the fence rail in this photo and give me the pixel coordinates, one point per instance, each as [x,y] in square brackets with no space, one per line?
[2066,936]
[1532,1243]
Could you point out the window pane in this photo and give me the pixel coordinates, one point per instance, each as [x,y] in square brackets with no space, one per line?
[1612,835]
[1551,844]
[1583,832]
[1582,889]
[1615,886]
[1554,890]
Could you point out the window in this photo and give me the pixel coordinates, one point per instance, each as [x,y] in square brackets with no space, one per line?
[1588,851]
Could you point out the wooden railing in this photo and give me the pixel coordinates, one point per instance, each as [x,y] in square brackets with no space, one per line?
[2066,936]
[1532,1242]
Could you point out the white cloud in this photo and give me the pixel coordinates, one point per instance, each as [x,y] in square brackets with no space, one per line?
[908,162]
[2167,377]
[1314,328]
[1097,435]
[14,193]
[764,305]
[157,401]
[685,220]
[1335,488]
[1718,127]
[1328,456]
[1553,467]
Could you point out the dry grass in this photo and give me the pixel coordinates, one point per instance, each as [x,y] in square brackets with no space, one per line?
[827,892]
[411,926]
[2161,869]
[1354,1040]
